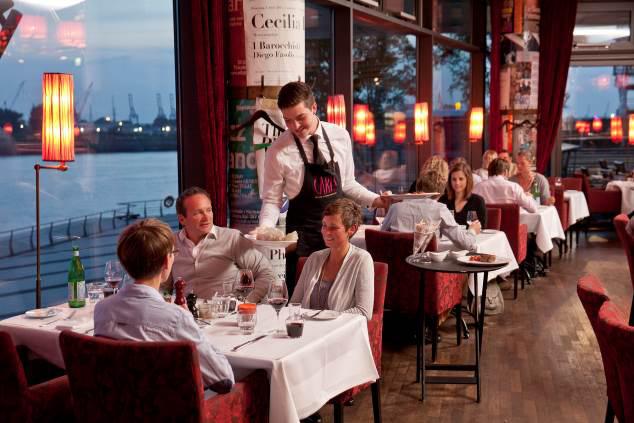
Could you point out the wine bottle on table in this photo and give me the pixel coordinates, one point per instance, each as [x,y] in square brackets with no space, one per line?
[76,281]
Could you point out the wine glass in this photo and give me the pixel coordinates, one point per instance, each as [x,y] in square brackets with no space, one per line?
[244,284]
[277,298]
[558,182]
[113,274]
[472,216]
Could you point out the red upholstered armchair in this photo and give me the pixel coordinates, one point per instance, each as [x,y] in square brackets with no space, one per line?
[517,235]
[49,401]
[619,337]
[568,183]
[375,333]
[593,295]
[125,381]
[442,293]
[600,200]
[494,218]
[627,241]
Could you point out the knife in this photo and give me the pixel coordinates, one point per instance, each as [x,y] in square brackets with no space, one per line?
[315,315]
[257,338]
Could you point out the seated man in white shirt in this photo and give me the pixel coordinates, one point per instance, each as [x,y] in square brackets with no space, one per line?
[497,190]
[210,256]
[403,216]
[138,311]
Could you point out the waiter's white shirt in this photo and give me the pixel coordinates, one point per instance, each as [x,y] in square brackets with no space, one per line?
[284,170]
[497,190]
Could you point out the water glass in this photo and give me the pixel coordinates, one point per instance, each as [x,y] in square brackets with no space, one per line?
[219,306]
[95,291]
[247,318]
[205,310]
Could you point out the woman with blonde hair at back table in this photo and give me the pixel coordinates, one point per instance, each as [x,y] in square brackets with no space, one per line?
[487,158]
[434,163]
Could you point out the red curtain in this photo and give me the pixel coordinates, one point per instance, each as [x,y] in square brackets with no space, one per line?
[495,122]
[201,79]
[555,33]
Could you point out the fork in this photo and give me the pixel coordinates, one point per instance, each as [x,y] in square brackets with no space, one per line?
[70,316]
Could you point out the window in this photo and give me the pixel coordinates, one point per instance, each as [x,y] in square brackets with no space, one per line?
[385,81]
[452,18]
[121,54]
[319,54]
[451,100]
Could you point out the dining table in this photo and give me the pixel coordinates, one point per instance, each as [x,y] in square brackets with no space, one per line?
[627,194]
[545,224]
[578,209]
[331,356]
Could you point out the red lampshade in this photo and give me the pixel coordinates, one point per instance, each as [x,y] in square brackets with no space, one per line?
[631,130]
[8,128]
[616,129]
[361,112]
[421,123]
[582,127]
[336,110]
[370,133]
[400,132]
[597,124]
[476,124]
[58,119]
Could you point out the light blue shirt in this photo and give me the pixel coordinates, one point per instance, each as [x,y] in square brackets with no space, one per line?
[139,313]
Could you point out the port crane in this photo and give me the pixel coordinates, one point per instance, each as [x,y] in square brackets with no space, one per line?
[82,102]
[15,97]
[159,104]
[172,108]
[134,117]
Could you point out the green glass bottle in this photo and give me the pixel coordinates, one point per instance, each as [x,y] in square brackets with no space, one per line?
[76,281]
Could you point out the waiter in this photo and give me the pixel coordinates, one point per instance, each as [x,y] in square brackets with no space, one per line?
[311,162]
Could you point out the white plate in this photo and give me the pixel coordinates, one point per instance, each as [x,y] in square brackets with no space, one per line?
[324,315]
[273,244]
[489,231]
[413,196]
[498,260]
[43,313]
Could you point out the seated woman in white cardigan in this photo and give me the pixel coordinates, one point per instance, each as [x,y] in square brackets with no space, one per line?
[340,277]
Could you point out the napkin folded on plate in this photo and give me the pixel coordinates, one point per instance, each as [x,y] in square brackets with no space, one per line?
[76,325]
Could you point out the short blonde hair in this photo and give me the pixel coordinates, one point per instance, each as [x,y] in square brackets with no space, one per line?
[438,164]
[143,246]
[431,181]
[348,210]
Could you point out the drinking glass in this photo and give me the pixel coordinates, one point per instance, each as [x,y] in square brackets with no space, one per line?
[277,298]
[95,291]
[558,182]
[295,321]
[113,274]
[472,216]
[244,284]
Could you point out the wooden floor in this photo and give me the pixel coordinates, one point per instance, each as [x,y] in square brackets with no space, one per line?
[540,361]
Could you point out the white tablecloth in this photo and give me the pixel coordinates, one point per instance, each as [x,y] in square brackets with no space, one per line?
[358,238]
[578,205]
[627,194]
[492,242]
[545,224]
[305,373]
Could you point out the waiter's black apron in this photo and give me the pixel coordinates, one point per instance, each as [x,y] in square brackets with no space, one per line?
[321,186]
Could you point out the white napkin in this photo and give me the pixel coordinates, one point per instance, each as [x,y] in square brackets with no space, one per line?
[76,325]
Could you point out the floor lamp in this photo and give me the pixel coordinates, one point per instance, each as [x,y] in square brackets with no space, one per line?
[58,143]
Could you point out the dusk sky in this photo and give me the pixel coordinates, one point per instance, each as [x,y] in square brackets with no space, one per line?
[128,47]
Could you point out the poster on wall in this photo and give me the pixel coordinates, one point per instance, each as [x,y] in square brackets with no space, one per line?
[238,65]
[274,41]
[524,80]
[244,200]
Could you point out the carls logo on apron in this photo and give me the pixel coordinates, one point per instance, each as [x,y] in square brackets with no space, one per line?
[325,185]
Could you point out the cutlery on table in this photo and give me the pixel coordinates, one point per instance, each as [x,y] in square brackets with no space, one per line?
[70,316]
[257,338]
[316,314]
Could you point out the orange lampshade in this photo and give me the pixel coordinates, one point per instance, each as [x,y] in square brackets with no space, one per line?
[58,118]
[597,124]
[421,123]
[370,133]
[361,112]
[630,131]
[582,127]
[476,124]
[400,132]
[616,129]
[336,110]
[8,128]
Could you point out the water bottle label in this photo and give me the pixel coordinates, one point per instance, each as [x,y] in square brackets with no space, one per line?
[77,290]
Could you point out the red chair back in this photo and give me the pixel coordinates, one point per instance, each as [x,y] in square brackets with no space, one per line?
[516,233]
[494,218]
[46,402]
[593,296]
[562,207]
[627,241]
[568,183]
[115,380]
[619,340]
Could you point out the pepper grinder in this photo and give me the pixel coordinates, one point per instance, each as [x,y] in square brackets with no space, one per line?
[179,286]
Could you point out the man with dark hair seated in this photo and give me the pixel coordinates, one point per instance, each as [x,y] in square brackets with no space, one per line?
[138,311]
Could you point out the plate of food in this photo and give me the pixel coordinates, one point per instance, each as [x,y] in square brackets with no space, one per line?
[271,237]
[321,315]
[412,196]
[43,313]
[482,259]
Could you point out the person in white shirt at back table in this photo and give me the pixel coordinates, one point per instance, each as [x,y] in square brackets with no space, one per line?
[403,216]
[498,190]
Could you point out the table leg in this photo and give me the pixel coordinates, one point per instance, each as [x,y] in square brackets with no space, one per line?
[477,335]
[421,337]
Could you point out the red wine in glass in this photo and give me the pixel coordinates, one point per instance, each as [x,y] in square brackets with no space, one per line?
[277,303]
[113,281]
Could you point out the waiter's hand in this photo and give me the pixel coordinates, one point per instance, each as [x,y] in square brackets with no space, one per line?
[383,201]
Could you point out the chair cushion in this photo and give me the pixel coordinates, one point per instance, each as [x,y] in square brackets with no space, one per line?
[247,402]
